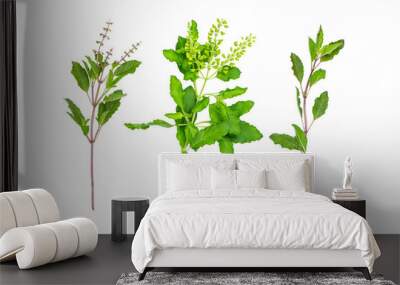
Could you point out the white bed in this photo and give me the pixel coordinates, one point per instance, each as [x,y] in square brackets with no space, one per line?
[249,227]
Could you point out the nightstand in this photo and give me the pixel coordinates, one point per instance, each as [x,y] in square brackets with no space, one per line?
[357,206]
[119,207]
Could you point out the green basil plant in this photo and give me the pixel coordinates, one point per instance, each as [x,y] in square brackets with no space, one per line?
[199,63]
[319,54]
[97,75]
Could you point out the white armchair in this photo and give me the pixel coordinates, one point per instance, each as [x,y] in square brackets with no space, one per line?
[31,230]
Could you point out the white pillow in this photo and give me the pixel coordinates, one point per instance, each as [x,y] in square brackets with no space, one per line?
[251,178]
[286,174]
[193,174]
[188,177]
[223,179]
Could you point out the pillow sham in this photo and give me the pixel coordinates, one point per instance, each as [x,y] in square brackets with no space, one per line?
[251,178]
[189,175]
[223,179]
[292,175]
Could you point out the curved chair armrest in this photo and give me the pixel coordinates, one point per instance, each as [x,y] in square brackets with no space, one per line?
[40,244]
[87,234]
[32,246]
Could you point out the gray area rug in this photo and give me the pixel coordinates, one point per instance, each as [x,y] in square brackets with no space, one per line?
[269,278]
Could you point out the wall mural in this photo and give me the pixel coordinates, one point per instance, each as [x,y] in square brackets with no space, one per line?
[98,76]
[199,63]
[319,53]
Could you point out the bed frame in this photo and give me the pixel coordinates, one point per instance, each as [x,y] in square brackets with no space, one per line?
[249,259]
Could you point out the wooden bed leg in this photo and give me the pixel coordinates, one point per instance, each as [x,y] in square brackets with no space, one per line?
[364,271]
[143,274]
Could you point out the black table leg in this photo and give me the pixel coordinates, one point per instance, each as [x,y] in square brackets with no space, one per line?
[118,217]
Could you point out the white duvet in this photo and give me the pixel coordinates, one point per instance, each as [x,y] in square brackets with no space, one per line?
[250,219]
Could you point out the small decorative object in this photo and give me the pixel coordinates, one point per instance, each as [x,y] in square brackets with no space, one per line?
[199,63]
[319,53]
[98,76]
[346,192]
[348,173]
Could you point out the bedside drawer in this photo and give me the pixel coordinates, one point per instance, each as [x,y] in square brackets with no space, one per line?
[357,206]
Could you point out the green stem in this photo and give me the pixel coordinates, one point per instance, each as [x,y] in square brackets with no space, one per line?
[204,122]
[195,88]
[304,93]
[305,114]
[204,83]
[102,96]
[312,122]
[87,94]
[198,123]
[93,135]
[92,92]
[211,94]
[97,132]
[213,75]
[91,141]
[92,174]
[184,149]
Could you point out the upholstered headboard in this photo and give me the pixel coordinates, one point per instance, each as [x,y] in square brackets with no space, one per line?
[165,158]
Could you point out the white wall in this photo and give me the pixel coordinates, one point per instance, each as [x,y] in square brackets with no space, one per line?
[362,120]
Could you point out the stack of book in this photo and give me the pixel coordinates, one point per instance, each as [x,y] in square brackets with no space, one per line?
[344,194]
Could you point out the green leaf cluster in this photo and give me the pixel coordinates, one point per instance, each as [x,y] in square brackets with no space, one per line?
[199,63]
[98,78]
[319,53]
[77,116]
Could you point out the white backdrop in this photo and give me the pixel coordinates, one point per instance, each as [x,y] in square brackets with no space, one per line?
[362,119]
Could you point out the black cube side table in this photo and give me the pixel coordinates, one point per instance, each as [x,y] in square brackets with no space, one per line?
[119,207]
[357,206]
